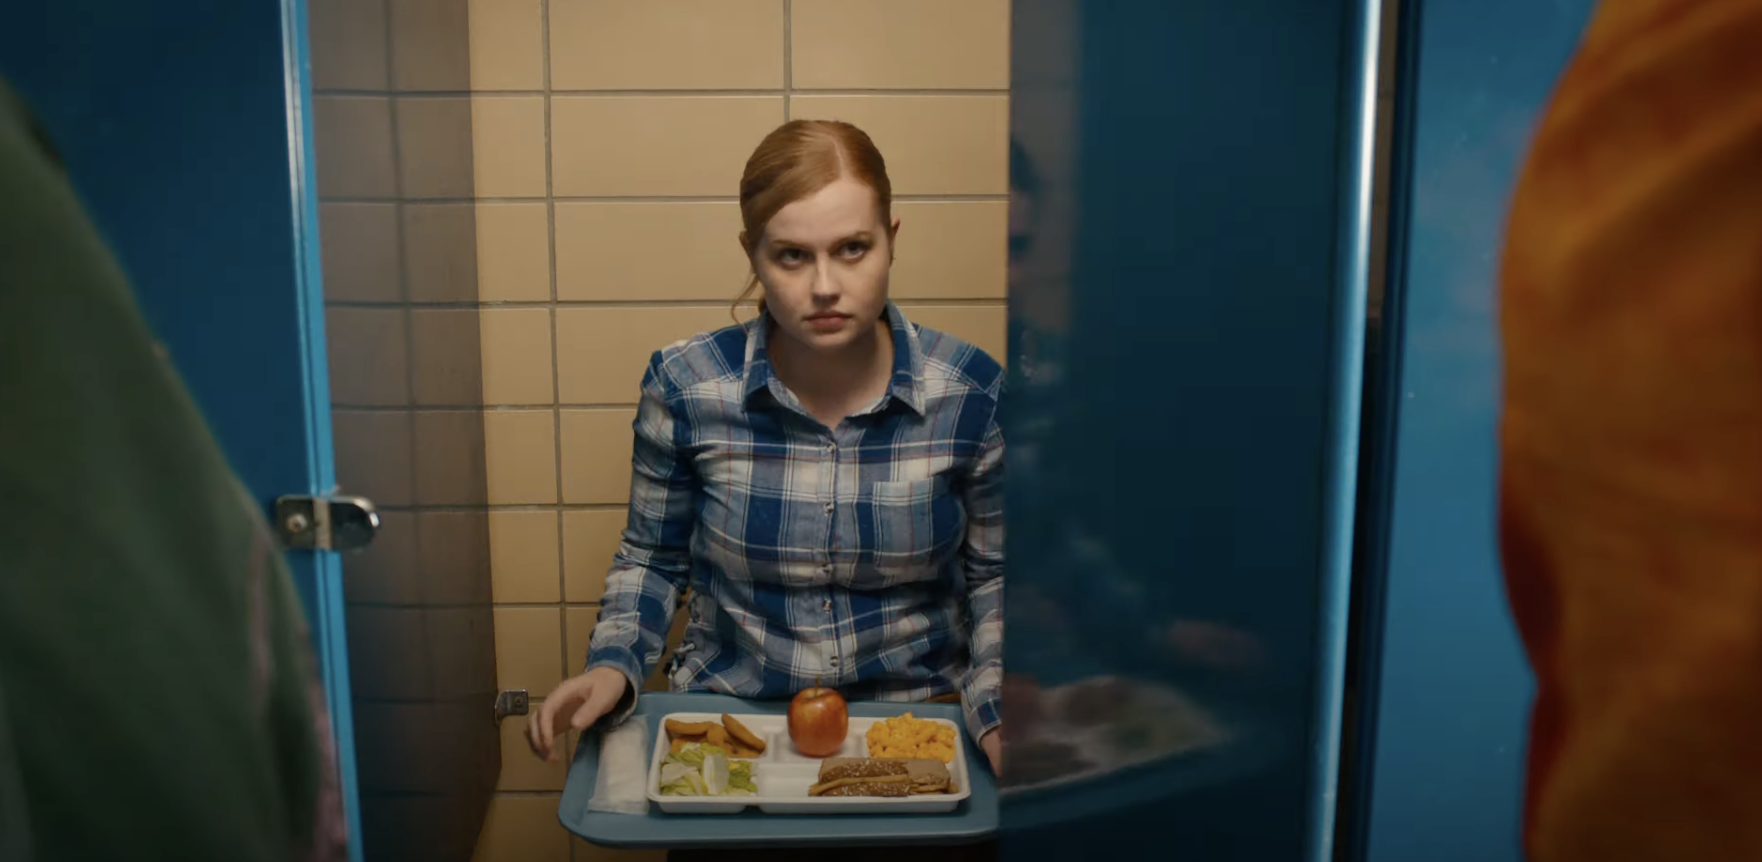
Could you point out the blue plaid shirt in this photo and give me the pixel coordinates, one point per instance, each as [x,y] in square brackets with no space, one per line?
[868,557]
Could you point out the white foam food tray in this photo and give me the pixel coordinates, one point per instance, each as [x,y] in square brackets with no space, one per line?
[783,774]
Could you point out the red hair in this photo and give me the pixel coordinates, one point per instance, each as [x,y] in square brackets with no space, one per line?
[798,159]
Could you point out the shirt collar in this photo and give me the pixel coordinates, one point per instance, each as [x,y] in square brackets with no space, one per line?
[908,363]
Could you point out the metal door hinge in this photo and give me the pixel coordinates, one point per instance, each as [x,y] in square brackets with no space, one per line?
[326,523]
[510,702]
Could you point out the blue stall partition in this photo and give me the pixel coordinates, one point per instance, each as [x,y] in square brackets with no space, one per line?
[1444,689]
[1189,239]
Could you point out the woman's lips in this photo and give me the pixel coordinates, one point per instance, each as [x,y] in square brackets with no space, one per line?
[827,322]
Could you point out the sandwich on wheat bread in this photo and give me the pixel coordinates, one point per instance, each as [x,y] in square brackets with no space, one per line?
[877,776]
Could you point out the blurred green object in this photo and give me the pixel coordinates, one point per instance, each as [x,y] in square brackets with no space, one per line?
[157,699]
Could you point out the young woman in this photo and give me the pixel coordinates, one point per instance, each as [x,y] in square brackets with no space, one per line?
[826,479]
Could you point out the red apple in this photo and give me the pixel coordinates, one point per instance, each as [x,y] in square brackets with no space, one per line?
[818,721]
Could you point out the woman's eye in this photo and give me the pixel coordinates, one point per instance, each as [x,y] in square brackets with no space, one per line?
[790,256]
[853,249]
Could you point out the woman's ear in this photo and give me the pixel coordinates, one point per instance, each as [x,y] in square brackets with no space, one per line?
[893,229]
[745,247]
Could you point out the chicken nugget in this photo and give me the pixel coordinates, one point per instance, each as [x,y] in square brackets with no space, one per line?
[677,728]
[718,736]
[743,734]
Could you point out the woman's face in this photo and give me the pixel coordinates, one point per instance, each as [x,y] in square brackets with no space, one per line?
[823,261]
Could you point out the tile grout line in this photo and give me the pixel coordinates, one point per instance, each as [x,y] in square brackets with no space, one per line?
[734,92]
[404,290]
[647,304]
[515,605]
[556,371]
[788,57]
[403,304]
[481,508]
[483,408]
[975,197]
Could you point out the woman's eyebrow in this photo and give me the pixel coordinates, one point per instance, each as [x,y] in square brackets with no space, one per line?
[859,236]
[784,242]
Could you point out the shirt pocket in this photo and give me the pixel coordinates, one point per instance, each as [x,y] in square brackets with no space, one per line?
[915,528]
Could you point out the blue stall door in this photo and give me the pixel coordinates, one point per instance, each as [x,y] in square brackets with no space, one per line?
[1190,232]
[1445,688]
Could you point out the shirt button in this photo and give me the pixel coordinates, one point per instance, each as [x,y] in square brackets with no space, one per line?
[835,661]
[832,447]
[830,507]
[828,605]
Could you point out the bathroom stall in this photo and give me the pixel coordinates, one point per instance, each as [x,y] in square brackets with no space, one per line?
[1254,609]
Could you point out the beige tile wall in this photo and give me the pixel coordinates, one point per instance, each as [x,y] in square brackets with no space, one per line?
[591,221]
[395,175]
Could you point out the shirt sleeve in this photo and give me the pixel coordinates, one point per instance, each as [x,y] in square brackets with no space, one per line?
[653,564]
[982,690]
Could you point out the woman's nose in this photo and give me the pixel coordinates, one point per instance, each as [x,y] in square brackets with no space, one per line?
[825,282]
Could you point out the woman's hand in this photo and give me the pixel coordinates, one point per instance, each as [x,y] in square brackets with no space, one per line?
[992,744]
[577,703]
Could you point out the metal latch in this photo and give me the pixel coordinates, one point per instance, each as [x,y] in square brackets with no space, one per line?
[326,523]
[510,702]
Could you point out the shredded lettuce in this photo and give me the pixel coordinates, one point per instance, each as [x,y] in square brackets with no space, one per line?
[682,773]
[740,777]
[694,753]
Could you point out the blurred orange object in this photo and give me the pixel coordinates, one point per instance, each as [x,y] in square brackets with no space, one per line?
[1632,435]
